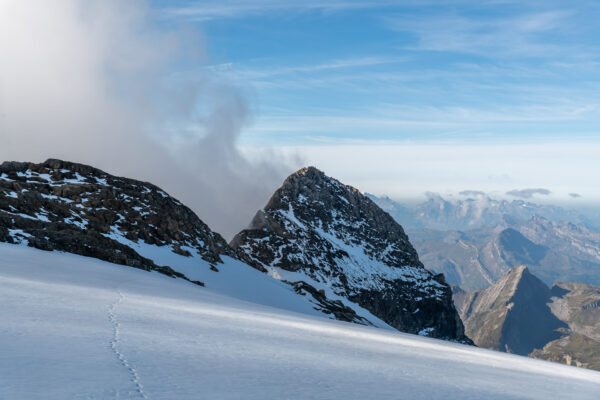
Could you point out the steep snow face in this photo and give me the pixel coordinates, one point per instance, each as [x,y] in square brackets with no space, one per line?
[318,230]
[78,328]
[59,205]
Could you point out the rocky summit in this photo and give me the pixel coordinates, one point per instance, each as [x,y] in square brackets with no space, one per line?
[59,205]
[520,314]
[512,315]
[340,244]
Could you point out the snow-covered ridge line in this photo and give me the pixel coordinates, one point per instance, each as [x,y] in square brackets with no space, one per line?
[77,208]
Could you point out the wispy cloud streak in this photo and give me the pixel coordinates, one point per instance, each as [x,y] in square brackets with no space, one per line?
[207,10]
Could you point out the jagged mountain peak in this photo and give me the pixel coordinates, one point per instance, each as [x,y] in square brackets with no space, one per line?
[511,315]
[501,293]
[306,179]
[312,204]
[309,172]
[311,184]
[318,230]
[312,195]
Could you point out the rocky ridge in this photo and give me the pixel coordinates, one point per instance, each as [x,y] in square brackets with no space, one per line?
[329,236]
[65,206]
[511,315]
[520,314]
[577,305]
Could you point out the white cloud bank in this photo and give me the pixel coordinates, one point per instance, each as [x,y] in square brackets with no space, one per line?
[92,82]
[407,171]
[528,193]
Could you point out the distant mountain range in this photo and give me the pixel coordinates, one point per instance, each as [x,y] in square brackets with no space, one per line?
[509,262]
[437,213]
[520,314]
[474,258]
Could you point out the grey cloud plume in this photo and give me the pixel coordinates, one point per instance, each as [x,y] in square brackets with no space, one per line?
[92,82]
[574,195]
[472,193]
[528,193]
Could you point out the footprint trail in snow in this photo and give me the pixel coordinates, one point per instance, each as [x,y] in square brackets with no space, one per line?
[114,345]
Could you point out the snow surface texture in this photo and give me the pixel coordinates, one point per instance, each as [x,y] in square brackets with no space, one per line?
[79,328]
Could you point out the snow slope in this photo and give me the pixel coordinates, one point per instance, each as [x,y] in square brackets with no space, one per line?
[79,328]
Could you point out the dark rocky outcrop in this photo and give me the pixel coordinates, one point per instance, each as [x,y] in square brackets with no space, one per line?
[328,306]
[328,235]
[59,205]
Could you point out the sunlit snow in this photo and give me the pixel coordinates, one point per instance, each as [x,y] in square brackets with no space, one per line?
[75,327]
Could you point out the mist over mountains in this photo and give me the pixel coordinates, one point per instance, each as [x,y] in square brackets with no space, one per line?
[476,211]
[475,241]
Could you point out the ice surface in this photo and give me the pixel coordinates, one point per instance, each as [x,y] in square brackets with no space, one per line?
[79,328]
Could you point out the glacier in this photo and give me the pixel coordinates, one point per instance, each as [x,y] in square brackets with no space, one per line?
[80,328]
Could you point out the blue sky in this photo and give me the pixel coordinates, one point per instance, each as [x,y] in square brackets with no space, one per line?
[453,71]
[217,102]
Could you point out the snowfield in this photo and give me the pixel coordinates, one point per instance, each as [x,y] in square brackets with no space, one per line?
[78,328]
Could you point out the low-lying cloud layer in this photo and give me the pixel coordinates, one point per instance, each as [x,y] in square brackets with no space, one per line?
[472,193]
[528,193]
[93,82]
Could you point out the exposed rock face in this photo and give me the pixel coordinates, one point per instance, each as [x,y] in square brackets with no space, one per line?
[59,205]
[520,314]
[578,305]
[335,308]
[517,249]
[317,230]
[511,315]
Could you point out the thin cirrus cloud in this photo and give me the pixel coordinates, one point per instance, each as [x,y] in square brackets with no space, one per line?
[523,34]
[420,74]
[500,92]
[528,193]
[208,10]
[338,64]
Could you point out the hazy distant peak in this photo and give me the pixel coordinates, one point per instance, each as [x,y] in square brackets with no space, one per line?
[511,315]
[470,213]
